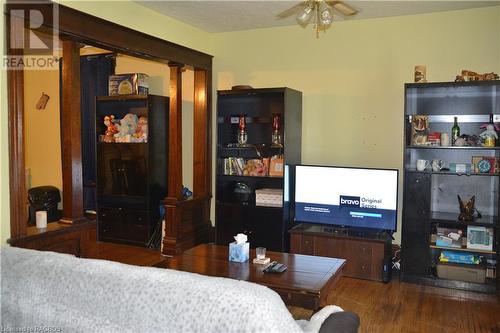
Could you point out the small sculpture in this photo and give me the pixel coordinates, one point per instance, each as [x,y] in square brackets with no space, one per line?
[126,128]
[473,76]
[466,209]
[141,133]
[489,136]
[111,129]
[419,124]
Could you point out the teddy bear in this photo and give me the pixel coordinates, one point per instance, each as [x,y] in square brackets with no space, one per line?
[126,128]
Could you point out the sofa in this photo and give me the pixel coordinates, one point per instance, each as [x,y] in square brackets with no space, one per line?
[53,292]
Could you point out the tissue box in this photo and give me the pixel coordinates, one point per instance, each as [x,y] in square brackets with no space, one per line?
[126,84]
[269,197]
[239,252]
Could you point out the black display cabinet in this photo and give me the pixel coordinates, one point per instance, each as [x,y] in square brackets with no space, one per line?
[131,176]
[430,202]
[236,209]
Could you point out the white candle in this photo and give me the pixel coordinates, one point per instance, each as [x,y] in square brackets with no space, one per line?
[41,219]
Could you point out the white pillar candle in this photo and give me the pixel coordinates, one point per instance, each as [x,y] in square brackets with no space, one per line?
[41,219]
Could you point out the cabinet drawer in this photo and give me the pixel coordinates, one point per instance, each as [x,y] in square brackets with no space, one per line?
[124,224]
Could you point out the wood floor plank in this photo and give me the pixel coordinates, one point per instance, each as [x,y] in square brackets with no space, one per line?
[384,308]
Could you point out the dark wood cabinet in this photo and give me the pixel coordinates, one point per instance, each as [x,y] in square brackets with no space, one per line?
[430,196]
[131,176]
[364,254]
[237,212]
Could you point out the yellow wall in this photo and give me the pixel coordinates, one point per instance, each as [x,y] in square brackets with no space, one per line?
[42,129]
[352,76]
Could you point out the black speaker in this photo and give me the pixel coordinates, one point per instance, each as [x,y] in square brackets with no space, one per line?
[386,270]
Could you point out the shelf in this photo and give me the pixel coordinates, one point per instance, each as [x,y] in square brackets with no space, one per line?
[461,249]
[243,178]
[122,98]
[452,218]
[453,147]
[257,151]
[488,287]
[121,143]
[249,205]
[452,84]
[463,118]
[454,173]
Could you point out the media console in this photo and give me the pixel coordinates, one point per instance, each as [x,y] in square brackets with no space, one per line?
[368,254]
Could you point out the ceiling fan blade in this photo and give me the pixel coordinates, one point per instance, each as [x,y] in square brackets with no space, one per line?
[292,10]
[342,7]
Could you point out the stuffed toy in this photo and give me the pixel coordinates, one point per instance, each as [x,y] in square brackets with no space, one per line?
[126,128]
[141,133]
[111,129]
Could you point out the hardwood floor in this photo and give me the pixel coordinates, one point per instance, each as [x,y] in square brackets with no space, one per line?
[392,307]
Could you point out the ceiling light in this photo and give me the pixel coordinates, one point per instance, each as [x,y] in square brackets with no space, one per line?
[326,17]
[306,14]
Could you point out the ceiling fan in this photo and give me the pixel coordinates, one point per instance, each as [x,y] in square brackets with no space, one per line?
[320,11]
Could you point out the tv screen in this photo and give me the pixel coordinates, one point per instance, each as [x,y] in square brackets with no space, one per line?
[351,197]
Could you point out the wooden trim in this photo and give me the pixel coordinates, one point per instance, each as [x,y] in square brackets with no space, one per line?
[175,133]
[71,132]
[200,130]
[83,28]
[17,180]
[95,31]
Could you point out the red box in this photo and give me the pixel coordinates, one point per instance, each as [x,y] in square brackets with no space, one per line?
[434,138]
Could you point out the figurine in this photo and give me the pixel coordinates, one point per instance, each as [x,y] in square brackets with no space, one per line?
[111,129]
[473,76]
[467,209]
[419,124]
[489,136]
[141,133]
[126,128]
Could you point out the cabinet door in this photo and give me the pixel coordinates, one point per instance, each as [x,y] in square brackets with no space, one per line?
[266,228]
[416,224]
[231,219]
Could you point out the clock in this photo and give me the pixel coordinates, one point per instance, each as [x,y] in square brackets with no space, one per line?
[484,166]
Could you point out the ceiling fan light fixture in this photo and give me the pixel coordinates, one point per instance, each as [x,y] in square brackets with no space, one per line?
[326,17]
[306,14]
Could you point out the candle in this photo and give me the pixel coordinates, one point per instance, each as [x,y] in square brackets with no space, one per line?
[41,219]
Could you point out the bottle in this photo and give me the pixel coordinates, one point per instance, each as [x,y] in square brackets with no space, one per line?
[455,131]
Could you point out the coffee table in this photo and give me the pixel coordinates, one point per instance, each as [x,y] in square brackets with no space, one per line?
[306,283]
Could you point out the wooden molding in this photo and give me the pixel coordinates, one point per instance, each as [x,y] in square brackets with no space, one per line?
[175,133]
[71,134]
[200,129]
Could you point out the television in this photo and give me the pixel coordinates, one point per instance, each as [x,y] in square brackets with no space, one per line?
[360,198]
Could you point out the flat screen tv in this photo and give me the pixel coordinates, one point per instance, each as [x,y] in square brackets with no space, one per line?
[350,197]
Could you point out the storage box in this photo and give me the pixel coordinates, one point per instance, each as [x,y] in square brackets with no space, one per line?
[269,197]
[449,237]
[467,273]
[239,252]
[479,238]
[127,84]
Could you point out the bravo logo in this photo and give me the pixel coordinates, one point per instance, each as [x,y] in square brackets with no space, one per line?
[347,201]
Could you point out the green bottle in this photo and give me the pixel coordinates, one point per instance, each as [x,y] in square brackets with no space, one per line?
[455,131]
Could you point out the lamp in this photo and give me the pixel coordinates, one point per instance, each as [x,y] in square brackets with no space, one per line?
[323,17]
[306,14]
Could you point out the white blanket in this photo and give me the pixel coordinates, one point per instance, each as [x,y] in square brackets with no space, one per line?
[62,293]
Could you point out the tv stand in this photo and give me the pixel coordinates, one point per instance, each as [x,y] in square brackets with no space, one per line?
[368,253]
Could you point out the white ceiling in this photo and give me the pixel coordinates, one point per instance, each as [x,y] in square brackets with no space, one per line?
[222,16]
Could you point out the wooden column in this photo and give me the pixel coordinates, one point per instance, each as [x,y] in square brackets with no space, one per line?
[201,147]
[17,180]
[175,133]
[71,134]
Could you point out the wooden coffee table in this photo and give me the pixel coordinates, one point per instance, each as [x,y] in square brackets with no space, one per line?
[306,283]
